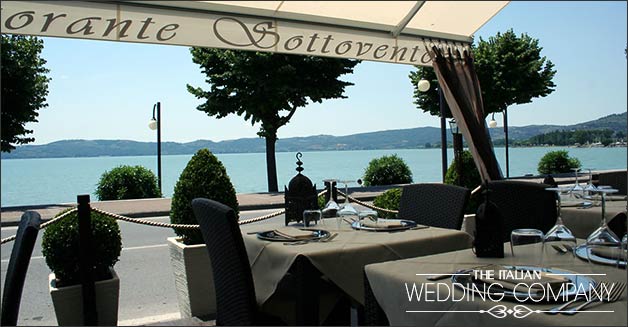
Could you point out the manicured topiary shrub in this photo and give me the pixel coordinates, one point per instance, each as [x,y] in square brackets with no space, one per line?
[60,246]
[388,200]
[387,170]
[470,179]
[556,162]
[203,177]
[127,182]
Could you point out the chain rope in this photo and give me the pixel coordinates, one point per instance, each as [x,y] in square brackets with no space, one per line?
[366,204]
[153,223]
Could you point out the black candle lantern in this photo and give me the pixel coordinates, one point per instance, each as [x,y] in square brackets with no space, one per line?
[300,195]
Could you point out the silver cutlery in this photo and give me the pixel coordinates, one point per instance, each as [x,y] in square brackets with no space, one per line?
[319,240]
[457,271]
[560,248]
[556,310]
[616,291]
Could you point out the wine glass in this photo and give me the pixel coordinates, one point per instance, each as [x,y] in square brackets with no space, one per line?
[559,237]
[347,209]
[603,237]
[331,207]
[577,191]
[589,189]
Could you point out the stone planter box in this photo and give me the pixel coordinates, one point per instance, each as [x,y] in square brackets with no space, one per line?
[193,279]
[68,301]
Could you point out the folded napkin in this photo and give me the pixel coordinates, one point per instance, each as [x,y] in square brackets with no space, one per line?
[381,223]
[291,232]
[612,253]
[511,280]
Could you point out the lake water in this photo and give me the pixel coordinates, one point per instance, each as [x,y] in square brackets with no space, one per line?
[60,180]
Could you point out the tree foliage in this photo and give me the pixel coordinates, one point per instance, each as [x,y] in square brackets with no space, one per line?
[510,69]
[266,88]
[24,88]
[203,177]
[556,162]
[127,182]
[388,200]
[470,178]
[387,170]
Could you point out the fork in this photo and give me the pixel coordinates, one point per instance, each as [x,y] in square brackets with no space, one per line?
[558,309]
[321,240]
[617,290]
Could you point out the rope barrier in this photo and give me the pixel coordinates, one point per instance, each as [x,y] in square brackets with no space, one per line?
[366,204]
[153,223]
[42,226]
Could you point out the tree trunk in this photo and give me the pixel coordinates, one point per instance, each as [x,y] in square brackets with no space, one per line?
[271,164]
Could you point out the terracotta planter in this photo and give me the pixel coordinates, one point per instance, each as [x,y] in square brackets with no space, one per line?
[68,301]
[193,279]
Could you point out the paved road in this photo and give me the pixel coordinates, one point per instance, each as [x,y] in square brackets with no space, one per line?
[146,279]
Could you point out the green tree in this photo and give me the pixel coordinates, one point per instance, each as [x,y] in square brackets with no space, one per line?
[266,88]
[24,88]
[387,170]
[127,182]
[510,70]
[556,162]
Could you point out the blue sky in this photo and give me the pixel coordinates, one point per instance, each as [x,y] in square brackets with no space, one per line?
[106,90]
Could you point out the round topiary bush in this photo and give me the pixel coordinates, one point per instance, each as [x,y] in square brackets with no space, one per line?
[203,177]
[470,179]
[387,170]
[60,246]
[556,162]
[388,200]
[127,182]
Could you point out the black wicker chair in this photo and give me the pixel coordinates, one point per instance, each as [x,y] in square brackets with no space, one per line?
[523,205]
[616,179]
[437,205]
[235,292]
[18,265]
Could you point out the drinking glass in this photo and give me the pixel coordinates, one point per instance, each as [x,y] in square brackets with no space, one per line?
[589,189]
[559,236]
[603,236]
[347,209]
[528,244]
[311,217]
[331,207]
[577,190]
[367,214]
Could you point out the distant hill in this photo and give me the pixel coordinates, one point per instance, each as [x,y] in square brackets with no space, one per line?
[391,139]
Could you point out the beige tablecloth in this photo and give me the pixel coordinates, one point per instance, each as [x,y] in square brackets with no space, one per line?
[582,222]
[388,281]
[342,259]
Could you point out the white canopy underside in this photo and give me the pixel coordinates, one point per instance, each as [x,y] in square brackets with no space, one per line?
[390,31]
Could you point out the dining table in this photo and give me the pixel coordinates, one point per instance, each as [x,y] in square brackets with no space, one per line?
[392,290]
[340,260]
[582,220]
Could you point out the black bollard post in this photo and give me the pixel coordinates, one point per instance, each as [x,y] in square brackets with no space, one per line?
[90,315]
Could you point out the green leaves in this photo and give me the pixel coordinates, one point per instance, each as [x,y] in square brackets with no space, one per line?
[203,177]
[24,88]
[556,162]
[127,182]
[510,69]
[388,200]
[60,247]
[387,170]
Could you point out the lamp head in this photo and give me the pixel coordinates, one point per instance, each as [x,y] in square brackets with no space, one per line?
[423,85]
[152,124]
[453,126]
[493,122]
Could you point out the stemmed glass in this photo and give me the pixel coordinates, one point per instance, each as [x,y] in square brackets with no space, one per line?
[347,209]
[331,207]
[603,236]
[559,236]
[577,190]
[589,189]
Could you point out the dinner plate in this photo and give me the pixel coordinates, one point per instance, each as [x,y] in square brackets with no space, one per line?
[577,283]
[407,224]
[270,235]
[581,252]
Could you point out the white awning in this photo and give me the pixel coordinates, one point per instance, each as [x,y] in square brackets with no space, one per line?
[390,31]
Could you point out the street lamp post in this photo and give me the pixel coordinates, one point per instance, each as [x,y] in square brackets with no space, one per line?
[493,124]
[423,86]
[155,124]
[457,138]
